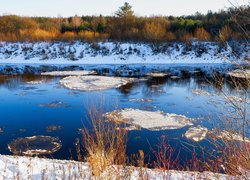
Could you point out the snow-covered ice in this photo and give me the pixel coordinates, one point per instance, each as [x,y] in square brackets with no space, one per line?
[35,145]
[154,74]
[233,99]
[245,74]
[150,120]
[196,133]
[94,83]
[68,73]
[55,104]
[141,100]
[231,136]
[200,92]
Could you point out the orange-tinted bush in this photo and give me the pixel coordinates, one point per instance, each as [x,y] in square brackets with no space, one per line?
[68,36]
[202,35]
[225,33]
[154,31]
[170,36]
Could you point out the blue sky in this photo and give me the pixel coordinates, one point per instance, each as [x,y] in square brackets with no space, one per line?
[108,7]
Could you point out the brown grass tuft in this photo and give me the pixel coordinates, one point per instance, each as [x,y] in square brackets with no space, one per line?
[105,144]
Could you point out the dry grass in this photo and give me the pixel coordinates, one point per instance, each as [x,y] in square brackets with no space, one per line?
[232,155]
[105,144]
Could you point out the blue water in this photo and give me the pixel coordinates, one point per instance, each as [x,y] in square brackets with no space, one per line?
[22,115]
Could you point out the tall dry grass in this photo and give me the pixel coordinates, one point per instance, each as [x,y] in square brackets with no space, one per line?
[231,138]
[105,144]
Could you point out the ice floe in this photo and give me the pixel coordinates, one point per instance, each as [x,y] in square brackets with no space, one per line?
[196,133]
[233,99]
[141,100]
[157,74]
[35,145]
[53,128]
[35,82]
[200,92]
[68,73]
[174,77]
[94,83]
[150,120]
[54,104]
[245,74]
[230,136]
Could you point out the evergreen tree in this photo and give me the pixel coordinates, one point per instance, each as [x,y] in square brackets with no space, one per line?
[125,10]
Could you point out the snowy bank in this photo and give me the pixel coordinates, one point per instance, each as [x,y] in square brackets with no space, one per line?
[14,167]
[125,59]
[120,53]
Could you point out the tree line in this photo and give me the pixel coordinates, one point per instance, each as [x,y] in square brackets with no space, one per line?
[224,25]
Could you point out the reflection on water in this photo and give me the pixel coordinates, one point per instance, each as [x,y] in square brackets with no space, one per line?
[21,114]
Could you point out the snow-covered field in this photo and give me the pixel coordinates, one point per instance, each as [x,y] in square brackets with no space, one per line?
[14,167]
[118,53]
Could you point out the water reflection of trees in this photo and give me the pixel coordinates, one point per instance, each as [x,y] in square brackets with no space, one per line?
[127,88]
[154,86]
[13,82]
[157,86]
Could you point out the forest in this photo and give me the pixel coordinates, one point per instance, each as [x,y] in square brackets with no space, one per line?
[124,25]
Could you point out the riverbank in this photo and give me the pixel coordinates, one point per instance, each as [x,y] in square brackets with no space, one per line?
[14,167]
[78,52]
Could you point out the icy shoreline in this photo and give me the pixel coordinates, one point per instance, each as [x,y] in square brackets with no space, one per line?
[20,167]
[117,70]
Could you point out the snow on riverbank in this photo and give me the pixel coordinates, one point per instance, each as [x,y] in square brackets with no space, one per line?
[117,53]
[14,167]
